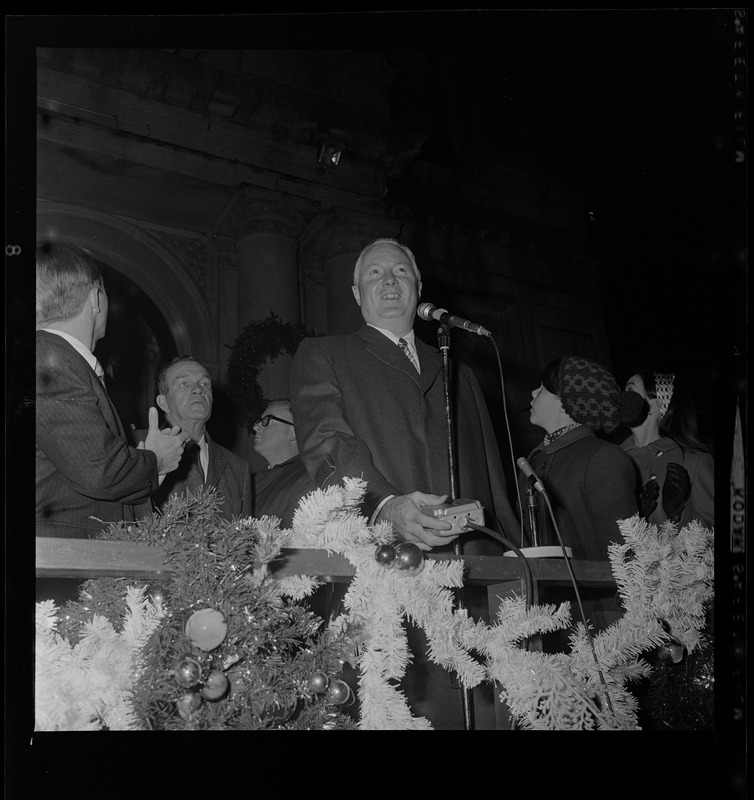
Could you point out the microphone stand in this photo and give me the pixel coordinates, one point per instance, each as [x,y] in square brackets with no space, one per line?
[531,502]
[443,338]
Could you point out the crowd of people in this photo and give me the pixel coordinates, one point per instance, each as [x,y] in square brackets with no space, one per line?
[369,404]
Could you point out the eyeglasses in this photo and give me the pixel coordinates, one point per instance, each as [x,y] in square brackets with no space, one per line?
[265,421]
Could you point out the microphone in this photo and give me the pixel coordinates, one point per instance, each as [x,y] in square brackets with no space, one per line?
[525,467]
[429,311]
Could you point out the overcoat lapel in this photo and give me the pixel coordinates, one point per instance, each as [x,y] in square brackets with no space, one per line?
[379,346]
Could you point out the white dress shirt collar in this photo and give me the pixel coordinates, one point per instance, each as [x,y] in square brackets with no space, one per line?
[409,337]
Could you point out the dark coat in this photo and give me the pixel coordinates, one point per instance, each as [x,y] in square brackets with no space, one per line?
[591,484]
[653,459]
[362,410]
[229,473]
[85,466]
[278,490]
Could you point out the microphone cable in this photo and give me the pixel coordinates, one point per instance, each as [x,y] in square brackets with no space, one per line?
[510,440]
[532,594]
[578,599]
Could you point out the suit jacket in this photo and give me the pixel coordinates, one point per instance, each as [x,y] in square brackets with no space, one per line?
[362,410]
[230,474]
[278,490]
[85,467]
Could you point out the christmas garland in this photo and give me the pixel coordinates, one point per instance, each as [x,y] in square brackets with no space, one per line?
[259,344]
[223,645]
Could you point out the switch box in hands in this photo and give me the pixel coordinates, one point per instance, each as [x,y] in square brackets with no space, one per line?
[459,514]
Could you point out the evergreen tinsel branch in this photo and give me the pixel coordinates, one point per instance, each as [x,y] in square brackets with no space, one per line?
[268,651]
[270,647]
[258,344]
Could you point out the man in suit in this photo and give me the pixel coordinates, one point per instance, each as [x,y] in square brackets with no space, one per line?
[87,474]
[364,408]
[279,487]
[185,395]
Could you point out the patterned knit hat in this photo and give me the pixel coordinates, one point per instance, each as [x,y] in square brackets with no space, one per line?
[591,395]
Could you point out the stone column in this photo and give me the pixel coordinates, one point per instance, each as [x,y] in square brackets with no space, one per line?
[267,230]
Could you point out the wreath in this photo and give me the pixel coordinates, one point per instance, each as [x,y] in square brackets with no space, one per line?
[258,344]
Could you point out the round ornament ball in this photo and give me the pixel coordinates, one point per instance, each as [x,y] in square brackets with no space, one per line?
[408,556]
[318,682]
[385,554]
[188,703]
[338,692]
[206,628]
[187,672]
[215,686]
[671,652]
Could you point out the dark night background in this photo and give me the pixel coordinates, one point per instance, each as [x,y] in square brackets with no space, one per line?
[637,107]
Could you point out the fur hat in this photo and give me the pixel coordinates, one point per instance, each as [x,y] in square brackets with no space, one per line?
[591,396]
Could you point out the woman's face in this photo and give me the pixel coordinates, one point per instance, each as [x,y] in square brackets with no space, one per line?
[636,384]
[545,409]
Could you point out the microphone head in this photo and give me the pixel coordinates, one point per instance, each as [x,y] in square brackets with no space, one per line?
[425,310]
[525,467]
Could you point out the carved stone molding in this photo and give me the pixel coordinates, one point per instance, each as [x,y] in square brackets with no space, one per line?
[192,251]
[286,217]
[337,231]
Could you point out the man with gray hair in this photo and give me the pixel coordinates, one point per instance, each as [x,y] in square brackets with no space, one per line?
[371,405]
[87,473]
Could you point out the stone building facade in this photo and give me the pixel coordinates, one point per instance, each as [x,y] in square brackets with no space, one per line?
[194,177]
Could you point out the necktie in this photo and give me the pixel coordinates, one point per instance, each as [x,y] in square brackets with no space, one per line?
[196,452]
[100,373]
[403,344]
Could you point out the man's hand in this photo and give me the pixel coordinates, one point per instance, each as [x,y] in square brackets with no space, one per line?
[403,512]
[167,445]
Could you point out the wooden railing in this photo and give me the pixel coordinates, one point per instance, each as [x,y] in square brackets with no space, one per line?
[90,558]
[502,576]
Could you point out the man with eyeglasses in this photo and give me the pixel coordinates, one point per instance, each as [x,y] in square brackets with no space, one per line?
[185,396]
[279,487]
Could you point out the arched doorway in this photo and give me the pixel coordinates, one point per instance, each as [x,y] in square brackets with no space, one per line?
[138,340]
[156,310]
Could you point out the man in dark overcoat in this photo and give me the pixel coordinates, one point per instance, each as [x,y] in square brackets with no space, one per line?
[371,405]
[364,408]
